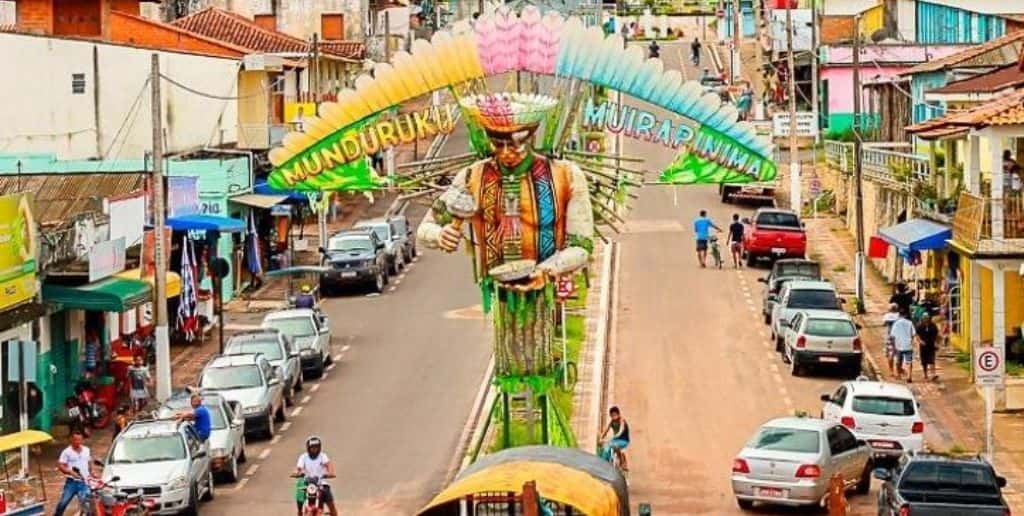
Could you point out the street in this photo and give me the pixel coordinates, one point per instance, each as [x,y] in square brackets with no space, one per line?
[691,341]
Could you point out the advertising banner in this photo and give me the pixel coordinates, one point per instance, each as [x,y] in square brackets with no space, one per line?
[18,241]
[182,196]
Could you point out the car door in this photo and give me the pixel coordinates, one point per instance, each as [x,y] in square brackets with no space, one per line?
[846,456]
[236,427]
[199,456]
[778,311]
[274,389]
[792,331]
[832,411]
[291,359]
[323,337]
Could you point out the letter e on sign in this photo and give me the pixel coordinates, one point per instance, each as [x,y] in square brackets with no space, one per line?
[988,365]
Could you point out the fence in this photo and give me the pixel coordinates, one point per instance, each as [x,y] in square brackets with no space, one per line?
[973,221]
[881,162]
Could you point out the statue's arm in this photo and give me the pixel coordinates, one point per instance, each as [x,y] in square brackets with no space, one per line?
[579,228]
[429,231]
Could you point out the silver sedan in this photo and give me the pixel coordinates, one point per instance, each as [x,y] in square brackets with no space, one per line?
[790,461]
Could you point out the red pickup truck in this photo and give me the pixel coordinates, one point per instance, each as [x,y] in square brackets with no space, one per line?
[774,233]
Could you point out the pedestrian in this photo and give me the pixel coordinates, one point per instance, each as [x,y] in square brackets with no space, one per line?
[702,226]
[92,353]
[736,239]
[625,32]
[927,336]
[377,161]
[903,340]
[75,463]
[903,296]
[695,48]
[200,417]
[139,381]
[654,49]
[890,350]
[745,102]
[609,26]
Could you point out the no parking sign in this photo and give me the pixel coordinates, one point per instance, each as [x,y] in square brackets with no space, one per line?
[988,365]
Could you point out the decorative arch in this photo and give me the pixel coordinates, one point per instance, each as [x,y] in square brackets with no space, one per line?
[721,149]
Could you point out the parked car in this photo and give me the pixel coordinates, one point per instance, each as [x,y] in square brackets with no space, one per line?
[227,437]
[790,461]
[403,227]
[166,461]
[886,415]
[277,347]
[822,338]
[928,484]
[251,381]
[774,233]
[310,331]
[394,241]
[800,295]
[355,257]
[782,271]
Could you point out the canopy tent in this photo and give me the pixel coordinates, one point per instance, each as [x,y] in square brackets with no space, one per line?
[107,295]
[24,438]
[173,280]
[565,475]
[258,200]
[917,235]
[197,222]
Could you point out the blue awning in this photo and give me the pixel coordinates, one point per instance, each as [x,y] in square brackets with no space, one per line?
[261,187]
[917,235]
[199,222]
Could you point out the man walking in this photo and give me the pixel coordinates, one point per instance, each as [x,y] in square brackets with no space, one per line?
[702,226]
[75,463]
[736,239]
[887,320]
[903,340]
[927,335]
[695,48]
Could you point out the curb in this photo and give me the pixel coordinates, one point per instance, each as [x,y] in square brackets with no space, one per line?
[600,350]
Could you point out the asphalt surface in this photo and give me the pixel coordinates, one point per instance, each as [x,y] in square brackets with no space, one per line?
[391,410]
[695,372]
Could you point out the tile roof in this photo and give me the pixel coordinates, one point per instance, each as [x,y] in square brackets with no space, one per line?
[239,30]
[1006,110]
[1009,76]
[1014,38]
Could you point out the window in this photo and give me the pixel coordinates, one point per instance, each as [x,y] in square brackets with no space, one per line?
[786,440]
[773,218]
[152,448]
[839,398]
[830,328]
[883,405]
[332,25]
[813,299]
[840,440]
[949,477]
[77,83]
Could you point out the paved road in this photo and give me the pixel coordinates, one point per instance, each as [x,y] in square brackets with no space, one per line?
[391,412]
[694,370]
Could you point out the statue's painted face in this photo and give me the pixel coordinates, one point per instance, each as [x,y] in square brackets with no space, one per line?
[511,149]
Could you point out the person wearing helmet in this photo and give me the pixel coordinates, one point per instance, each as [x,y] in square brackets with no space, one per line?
[305,299]
[315,464]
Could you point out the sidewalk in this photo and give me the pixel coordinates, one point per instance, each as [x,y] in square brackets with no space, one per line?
[953,409]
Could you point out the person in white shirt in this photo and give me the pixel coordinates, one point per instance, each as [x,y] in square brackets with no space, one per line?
[902,333]
[315,464]
[75,462]
[890,352]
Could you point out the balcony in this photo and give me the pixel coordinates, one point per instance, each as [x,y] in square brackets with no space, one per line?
[979,227]
[883,163]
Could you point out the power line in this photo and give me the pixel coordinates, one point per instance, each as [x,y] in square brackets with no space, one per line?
[194,91]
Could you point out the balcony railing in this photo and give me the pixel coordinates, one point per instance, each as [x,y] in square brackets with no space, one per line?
[839,155]
[881,162]
[973,223]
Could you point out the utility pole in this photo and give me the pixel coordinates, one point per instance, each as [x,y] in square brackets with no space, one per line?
[795,184]
[737,34]
[163,342]
[387,38]
[814,77]
[858,164]
[314,76]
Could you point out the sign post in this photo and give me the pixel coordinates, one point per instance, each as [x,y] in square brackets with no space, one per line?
[989,368]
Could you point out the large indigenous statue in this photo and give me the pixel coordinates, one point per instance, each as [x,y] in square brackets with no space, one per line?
[530,221]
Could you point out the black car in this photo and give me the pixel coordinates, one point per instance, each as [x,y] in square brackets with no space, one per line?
[929,484]
[356,257]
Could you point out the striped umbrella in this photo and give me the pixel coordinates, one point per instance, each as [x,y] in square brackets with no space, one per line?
[252,244]
[188,320]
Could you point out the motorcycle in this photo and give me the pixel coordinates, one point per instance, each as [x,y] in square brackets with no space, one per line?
[95,413]
[77,422]
[104,500]
[313,504]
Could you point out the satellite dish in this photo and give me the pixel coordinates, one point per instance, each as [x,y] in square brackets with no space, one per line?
[884,34]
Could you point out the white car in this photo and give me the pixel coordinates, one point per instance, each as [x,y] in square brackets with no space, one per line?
[310,332]
[822,338]
[798,295]
[885,415]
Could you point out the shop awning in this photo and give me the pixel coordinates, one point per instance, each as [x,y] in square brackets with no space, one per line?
[173,280]
[107,295]
[258,200]
[917,235]
[206,223]
[261,187]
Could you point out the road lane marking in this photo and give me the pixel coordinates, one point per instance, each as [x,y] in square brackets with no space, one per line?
[297,411]
[787,400]
[774,367]
[391,289]
[400,277]
[287,424]
[373,294]
[305,399]
[241,484]
[338,356]
[264,454]
[345,348]
[277,438]
[777,377]
[252,470]
[328,368]
[315,387]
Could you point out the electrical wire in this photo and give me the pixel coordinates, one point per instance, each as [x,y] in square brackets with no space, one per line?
[194,91]
[130,115]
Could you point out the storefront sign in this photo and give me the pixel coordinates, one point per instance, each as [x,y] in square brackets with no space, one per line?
[17,250]
[106,259]
[182,196]
[338,162]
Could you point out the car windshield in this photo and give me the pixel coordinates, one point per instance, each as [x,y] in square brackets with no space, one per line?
[217,416]
[883,405]
[949,477]
[830,328]
[786,440]
[238,377]
[350,243]
[292,326]
[811,299]
[133,450]
[802,269]
[271,349]
[773,218]
[380,229]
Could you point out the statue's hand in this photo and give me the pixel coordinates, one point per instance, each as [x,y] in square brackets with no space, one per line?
[449,239]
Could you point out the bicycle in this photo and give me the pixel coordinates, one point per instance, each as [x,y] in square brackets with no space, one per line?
[615,460]
[566,374]
[716,252]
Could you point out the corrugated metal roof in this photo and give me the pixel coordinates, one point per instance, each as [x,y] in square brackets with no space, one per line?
[1014,40]
[60,197]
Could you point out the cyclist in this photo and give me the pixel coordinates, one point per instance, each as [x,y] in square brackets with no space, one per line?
[315,464]
[305,299]
[619,440]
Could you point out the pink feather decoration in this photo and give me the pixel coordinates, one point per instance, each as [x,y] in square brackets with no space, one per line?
[487,43]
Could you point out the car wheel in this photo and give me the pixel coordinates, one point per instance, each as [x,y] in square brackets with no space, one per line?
[241,454]
[768,318]
[299,380]
[399,262]
[209,495]
[864,484]
[414,253]
[289,396]
[281,415]
[379,282]
[193,503]
[751,260]
[853,371]
[780,346]
[269,432]
[794,366]
[746,505]
[231,475]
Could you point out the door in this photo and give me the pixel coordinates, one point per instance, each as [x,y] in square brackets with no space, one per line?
[833,410]
[323,337]
[846,458]
[200,455]
[236,427]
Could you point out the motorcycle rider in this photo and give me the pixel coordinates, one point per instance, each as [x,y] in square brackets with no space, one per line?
[315,464]
[305,299]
